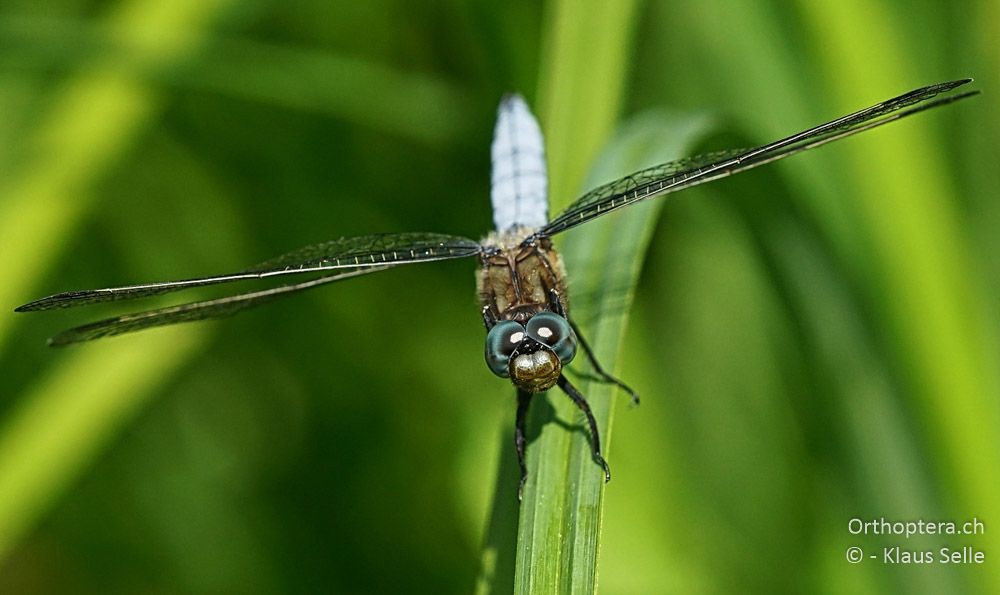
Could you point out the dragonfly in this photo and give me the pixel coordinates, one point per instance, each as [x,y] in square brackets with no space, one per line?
[521,283]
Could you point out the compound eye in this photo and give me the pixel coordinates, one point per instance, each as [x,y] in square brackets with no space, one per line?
[501,342]
[554,331]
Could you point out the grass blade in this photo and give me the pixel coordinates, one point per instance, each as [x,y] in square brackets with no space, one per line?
[560,521]
[582,74]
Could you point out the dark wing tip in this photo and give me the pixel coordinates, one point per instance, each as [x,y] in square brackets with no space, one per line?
[67,338]
[948,86]
[34,306]
[59,300]
[952,84]
[929,91]
[70,336]
[31,306]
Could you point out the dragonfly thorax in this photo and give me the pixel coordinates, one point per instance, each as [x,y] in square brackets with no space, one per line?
[519,274]
[522,284]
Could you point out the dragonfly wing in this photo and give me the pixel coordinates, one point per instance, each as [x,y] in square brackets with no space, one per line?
[345,253]
[217,308]
[684,173]
[367,251]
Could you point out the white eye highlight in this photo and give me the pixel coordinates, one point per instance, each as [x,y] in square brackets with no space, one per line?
[555,332]
[501,342]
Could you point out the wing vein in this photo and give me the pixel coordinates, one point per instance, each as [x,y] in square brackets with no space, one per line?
[677,175]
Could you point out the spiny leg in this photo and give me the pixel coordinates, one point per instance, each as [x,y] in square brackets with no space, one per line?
[523,400]
[595,437]
[489,318]
[556,304]
[601,374]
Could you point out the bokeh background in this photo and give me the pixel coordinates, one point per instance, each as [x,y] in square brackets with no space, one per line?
[816,340]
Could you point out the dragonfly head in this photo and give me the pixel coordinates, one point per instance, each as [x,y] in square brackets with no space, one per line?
[531,355]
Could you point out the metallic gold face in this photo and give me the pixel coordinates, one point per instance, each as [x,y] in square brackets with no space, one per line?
[531,355]
[535,372]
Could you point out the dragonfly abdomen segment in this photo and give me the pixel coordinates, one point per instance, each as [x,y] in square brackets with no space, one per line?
[519,189]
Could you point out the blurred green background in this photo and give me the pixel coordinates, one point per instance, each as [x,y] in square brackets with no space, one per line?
[816,340]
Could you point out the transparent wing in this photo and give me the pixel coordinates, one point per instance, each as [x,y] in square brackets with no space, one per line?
[677,175]
[217,308]
[345,253]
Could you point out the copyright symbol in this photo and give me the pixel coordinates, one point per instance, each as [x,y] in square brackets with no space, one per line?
[854,554]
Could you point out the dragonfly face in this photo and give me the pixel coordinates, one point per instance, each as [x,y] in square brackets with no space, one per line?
[521,283]
[531,355]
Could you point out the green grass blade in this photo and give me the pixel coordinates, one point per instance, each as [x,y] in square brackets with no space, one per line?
[582,74]
[560,524]
[927,292]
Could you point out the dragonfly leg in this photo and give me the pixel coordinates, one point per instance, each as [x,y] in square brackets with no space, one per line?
[601,374]
[523,400]
[489,318]
[556,304]
[595,438]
